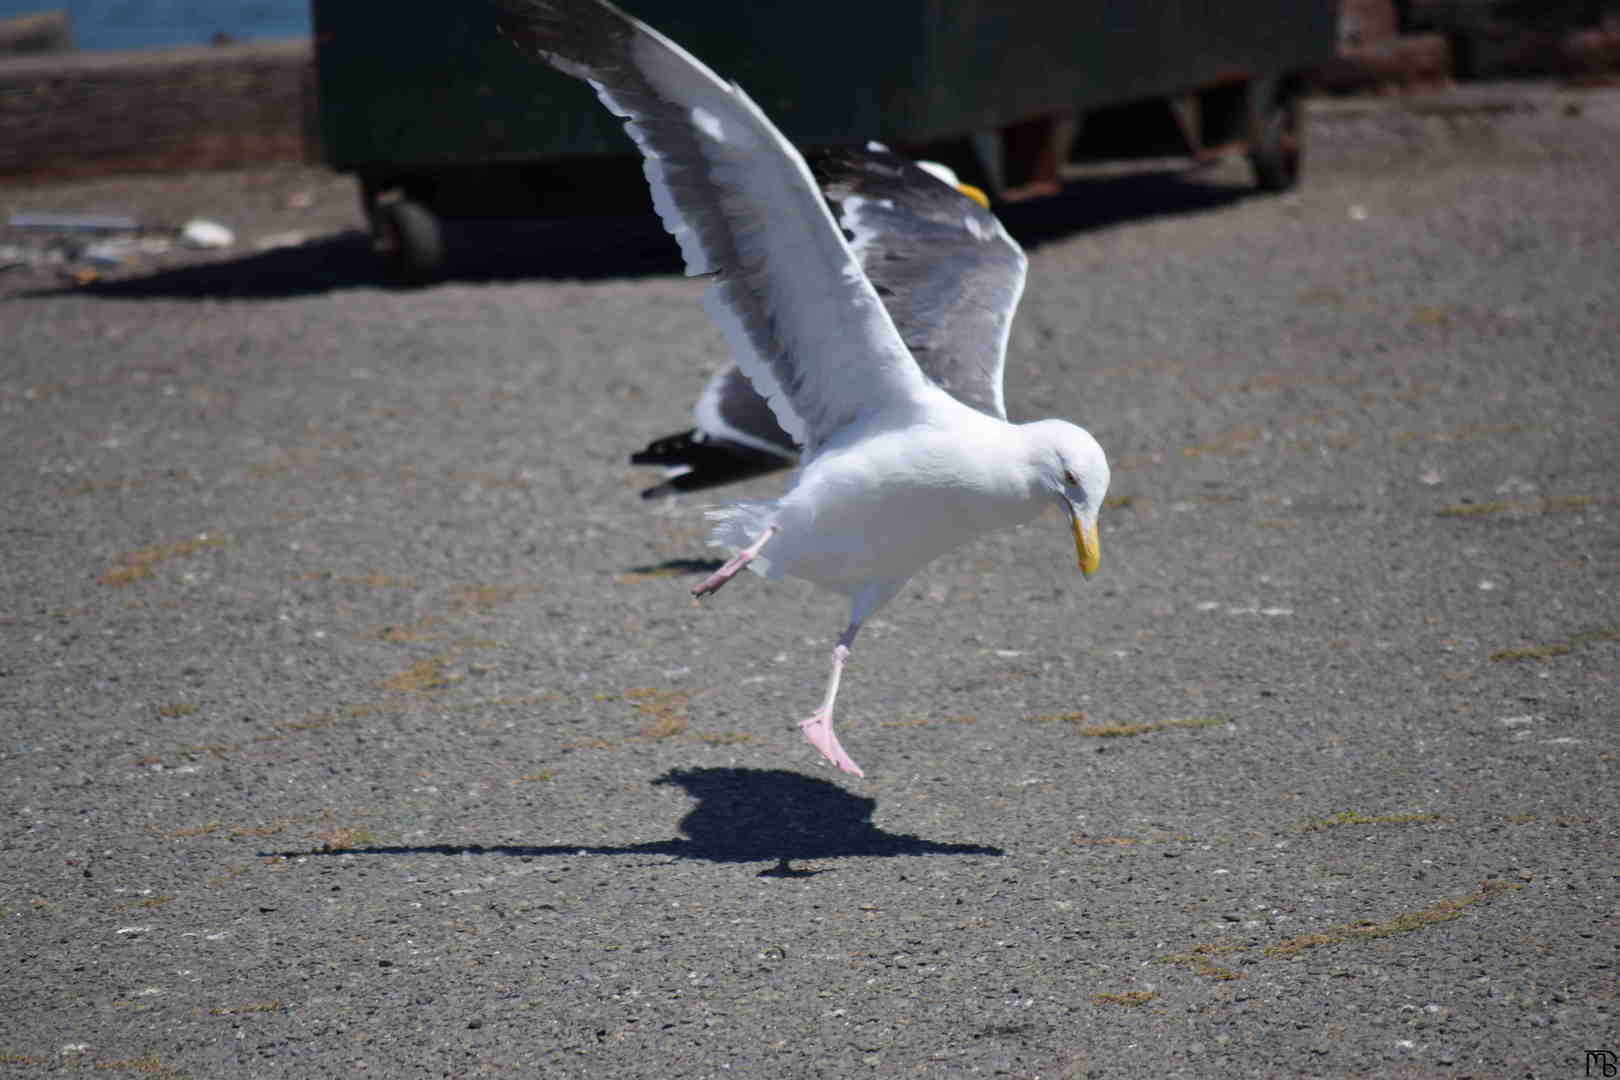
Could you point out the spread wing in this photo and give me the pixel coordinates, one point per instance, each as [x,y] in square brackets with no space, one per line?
[804,323]
[948,274]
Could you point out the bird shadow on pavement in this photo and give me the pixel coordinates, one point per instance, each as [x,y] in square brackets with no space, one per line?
[742,815]
[593,248]
[674,568]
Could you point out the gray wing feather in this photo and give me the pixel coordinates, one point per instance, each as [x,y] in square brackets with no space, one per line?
[946,269]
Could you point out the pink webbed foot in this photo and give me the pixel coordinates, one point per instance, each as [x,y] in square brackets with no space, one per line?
[732,567]
[819,730]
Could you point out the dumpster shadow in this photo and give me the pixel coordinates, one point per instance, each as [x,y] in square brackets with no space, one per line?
[1092,203]
[574,249]
[594,248]
[340,261]
[742,815]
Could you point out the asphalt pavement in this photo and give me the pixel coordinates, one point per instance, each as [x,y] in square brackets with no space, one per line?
[357,720]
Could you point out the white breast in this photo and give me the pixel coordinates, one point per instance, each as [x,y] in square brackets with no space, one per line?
[878,509]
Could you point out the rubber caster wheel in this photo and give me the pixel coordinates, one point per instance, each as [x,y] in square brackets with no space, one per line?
[410,241]
[1277,146]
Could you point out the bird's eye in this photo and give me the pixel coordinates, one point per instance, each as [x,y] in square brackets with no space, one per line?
[1069,478]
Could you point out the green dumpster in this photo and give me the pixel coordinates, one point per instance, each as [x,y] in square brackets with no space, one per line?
[439,116]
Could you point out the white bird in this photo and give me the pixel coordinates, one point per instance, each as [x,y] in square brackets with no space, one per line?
[894,470]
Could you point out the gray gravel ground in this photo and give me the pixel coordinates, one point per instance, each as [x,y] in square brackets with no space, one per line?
[356,719]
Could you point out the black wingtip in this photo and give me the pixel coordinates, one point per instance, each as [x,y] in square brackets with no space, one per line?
[670,450]
[710,462]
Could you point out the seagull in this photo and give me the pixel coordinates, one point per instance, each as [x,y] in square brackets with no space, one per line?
[894,470]
[938,261]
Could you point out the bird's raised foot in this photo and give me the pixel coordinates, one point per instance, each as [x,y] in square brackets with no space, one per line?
[733,566]
[819,730]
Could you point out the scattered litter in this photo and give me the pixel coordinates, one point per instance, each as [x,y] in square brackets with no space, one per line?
[14,257]
[90,222]
[80,247]
[291,238]
[1358,212]
[110,252]
[200,233]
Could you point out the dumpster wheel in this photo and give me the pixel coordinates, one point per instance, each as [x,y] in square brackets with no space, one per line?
[1277,147]
[409,239]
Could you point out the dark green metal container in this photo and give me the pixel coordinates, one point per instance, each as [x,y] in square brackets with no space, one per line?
[427,100]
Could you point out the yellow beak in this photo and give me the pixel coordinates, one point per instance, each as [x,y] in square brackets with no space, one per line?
[974,193]
[1086,545]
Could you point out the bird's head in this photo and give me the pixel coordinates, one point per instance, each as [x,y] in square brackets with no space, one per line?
[1074,470]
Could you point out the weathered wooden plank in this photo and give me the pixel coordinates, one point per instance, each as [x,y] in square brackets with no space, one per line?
[207,107]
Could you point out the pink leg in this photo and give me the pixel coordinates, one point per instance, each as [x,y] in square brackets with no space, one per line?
[733,566]
[819,727]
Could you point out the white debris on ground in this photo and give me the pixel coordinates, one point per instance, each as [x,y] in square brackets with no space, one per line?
[200,233]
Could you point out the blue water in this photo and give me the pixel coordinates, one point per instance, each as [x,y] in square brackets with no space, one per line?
[151,24]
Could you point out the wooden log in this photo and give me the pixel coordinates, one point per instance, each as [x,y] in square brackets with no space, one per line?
[206,107]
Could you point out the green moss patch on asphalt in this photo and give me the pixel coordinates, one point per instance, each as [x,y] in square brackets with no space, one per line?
[137,565]
[1551,649]
[1117,731]
[1351,817]
[1443,910]
[1131,997]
